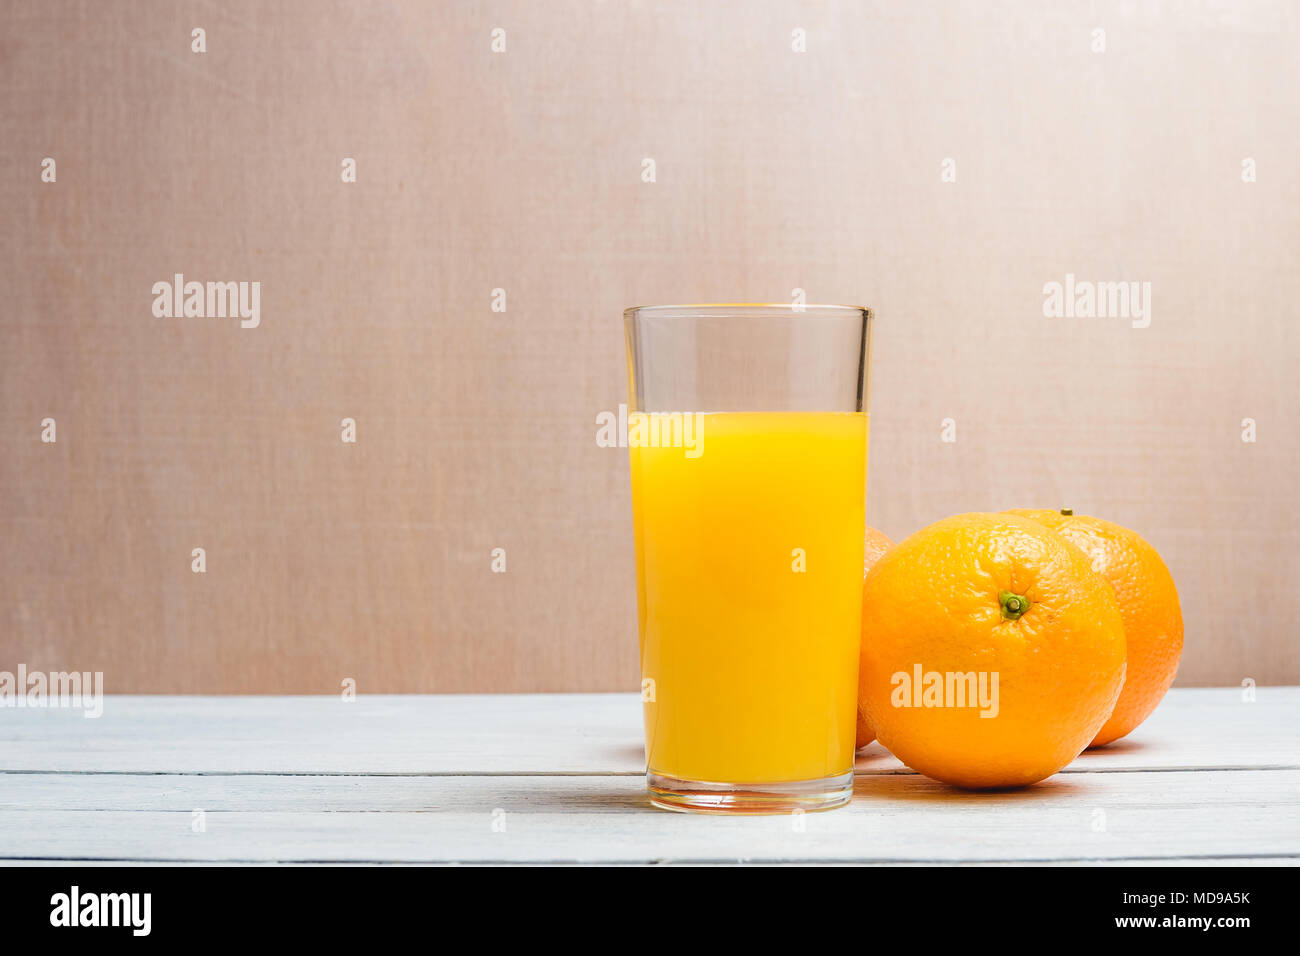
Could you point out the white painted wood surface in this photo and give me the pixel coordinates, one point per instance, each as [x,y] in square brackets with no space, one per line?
[555,778]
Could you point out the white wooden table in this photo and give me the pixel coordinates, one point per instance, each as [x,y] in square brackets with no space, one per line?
[557,778]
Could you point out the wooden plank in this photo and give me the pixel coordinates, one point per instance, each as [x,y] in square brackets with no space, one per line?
[1202,728]
[1207,728]
[501,733]
[586,794]
[1202,815]
[1127,862]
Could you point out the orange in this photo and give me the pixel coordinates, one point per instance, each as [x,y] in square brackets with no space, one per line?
[1148,605]
[876,545]
[992,653]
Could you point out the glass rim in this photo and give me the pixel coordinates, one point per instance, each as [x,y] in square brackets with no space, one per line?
[706,309]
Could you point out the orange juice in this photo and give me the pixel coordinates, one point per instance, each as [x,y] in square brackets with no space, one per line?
[749,580]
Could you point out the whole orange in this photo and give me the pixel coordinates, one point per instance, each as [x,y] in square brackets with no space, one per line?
[876,545]
[1148,605]
[991,652]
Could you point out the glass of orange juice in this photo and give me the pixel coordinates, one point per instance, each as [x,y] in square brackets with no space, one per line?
[747,434]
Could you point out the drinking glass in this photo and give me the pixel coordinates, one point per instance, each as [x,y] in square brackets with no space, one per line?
[747,434]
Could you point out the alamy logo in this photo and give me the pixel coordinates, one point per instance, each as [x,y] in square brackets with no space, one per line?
[923,688]
[212,300]
[103,909]
[1101,300]
[55,689]
[651,430]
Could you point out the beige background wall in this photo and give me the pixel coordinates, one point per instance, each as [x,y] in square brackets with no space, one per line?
[522,170]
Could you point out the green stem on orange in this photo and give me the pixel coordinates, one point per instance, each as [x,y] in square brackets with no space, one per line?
[1067,511]
[1013,605]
